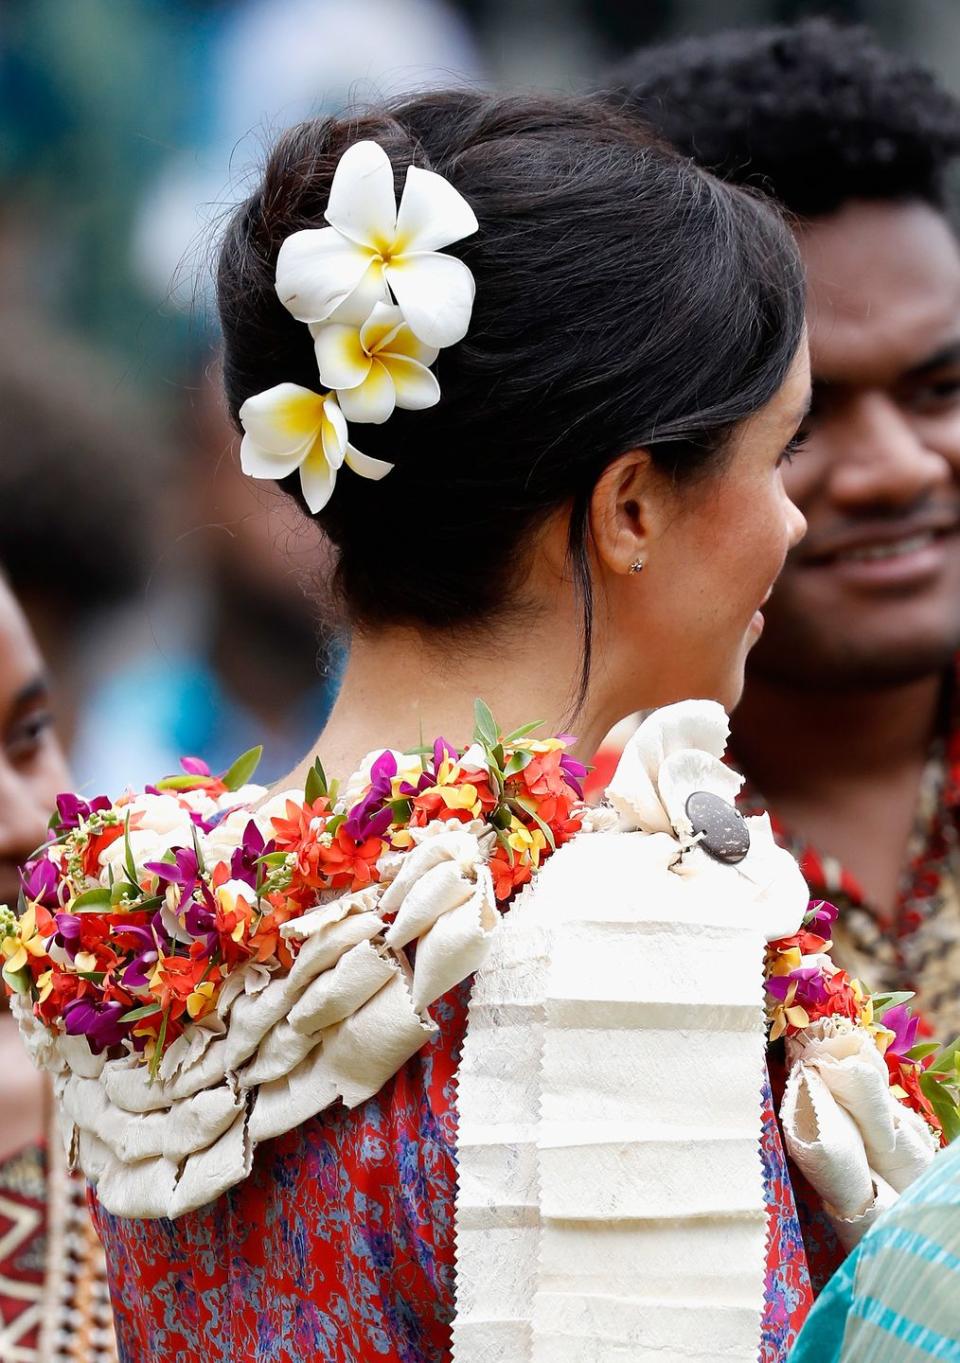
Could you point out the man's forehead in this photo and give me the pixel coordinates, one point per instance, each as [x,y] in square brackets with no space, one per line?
[883,283]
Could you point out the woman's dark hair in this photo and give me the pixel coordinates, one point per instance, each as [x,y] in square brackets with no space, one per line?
[625,298]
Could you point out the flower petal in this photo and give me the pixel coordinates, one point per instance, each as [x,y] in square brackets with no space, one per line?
[357,306]
[432,213]
[405,343]
[340,356]
[317,479]
[362,204]
[333,432]
[373,400]
[316,270]
[380,327]
[279,426]
[416,387]
[255,463]
[365,465]
[435,293]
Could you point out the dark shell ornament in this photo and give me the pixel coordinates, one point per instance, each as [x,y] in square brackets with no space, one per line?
[722,830]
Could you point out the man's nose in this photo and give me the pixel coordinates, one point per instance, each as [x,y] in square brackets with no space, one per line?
[878,457]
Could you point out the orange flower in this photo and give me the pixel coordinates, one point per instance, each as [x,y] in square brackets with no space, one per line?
[173,981]
[348,863]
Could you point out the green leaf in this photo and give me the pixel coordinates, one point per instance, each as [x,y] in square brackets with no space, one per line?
[486,731]
[923,1050]
[135,1014]
[240,772]
[400,809]
[91,900]
[20,981]
[315,786]
[198,850]
[523,731]
[94,976]
[947,1059]
[272,859]
[335,823]
[943,1103]
[545,829]
[503,838]
[881,1002]
[516,762]
[183,782]
[157,1056]
[129,865]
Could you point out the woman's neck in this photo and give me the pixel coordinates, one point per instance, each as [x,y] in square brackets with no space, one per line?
[401,691]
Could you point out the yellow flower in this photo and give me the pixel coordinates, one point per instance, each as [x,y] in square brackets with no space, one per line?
[527,841]
[375,364]
[288,428]
[202,999]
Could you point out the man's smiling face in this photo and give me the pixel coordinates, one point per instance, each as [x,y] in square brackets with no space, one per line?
[872,595]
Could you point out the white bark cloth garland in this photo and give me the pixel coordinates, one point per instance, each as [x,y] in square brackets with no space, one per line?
[611,1201]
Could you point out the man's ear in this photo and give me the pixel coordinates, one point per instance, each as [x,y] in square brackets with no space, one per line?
[622,513]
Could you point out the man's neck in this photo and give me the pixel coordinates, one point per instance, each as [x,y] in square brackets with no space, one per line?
[795,742]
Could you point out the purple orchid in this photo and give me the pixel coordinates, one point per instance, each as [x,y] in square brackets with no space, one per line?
[183,871]
[574,772]
[72,811]
[40,882]
[369,818]
[98,1022]
[811,986]
[904,1027]
[137,972]
[244,862]
[820,917]
[69,926]
[195,766]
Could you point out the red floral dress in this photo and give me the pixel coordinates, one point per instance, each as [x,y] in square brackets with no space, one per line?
[339,1248]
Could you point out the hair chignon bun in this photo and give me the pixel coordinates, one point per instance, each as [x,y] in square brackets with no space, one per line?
[624,298]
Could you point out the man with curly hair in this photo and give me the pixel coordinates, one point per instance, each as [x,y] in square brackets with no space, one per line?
[850,723]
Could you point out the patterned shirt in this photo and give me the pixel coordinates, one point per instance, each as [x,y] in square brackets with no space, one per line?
[339,1247]
[917,947]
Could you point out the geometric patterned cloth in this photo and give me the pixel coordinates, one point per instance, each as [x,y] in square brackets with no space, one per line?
[54,1301]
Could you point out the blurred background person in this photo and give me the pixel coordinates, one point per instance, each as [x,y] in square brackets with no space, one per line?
[193,684]
[849,728]
[54,1304]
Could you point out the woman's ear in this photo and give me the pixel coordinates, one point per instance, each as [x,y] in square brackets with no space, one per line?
[621,512]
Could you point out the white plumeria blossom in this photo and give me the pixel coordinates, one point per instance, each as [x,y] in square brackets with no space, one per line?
[375,365]
[375,249]
[289,427]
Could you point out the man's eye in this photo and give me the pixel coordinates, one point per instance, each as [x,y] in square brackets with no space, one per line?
[940,393]
[26,737]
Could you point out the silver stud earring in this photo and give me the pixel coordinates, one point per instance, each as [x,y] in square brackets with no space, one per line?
[637,566]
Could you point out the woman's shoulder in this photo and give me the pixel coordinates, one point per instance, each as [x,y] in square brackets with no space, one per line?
[204,964]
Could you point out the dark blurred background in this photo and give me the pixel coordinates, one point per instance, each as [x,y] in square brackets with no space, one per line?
[178,604]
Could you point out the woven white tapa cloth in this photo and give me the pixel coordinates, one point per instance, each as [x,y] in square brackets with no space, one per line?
[611,1200]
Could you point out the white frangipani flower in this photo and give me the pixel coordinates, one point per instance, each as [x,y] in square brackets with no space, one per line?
[375,366]
[372,246]
[289,427]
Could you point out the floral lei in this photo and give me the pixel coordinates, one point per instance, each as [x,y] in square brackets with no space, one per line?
[806,990]
[135,914]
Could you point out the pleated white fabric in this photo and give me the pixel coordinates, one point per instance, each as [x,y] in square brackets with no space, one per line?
[610,1202]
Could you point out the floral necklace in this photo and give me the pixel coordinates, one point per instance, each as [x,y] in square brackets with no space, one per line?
[136,914]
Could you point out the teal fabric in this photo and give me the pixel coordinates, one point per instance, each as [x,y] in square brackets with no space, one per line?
[896,1299]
